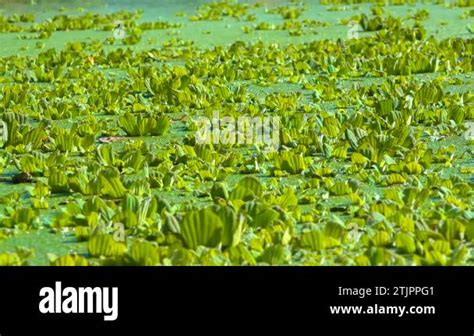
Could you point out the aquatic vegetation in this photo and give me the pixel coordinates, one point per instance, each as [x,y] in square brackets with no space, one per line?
[368,163]
[217,10]
[18,258]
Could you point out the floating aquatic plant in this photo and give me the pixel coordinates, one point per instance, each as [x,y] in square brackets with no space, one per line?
[370,163]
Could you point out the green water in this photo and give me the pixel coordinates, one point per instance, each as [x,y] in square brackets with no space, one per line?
[442,23]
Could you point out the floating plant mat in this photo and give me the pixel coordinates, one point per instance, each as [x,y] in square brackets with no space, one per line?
[366,155]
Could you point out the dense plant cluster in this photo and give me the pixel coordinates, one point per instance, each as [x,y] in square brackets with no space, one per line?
[371,169]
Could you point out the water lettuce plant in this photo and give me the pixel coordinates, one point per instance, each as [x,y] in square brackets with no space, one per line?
[371,163]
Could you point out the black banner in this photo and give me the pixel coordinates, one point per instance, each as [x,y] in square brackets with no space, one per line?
[345,300]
